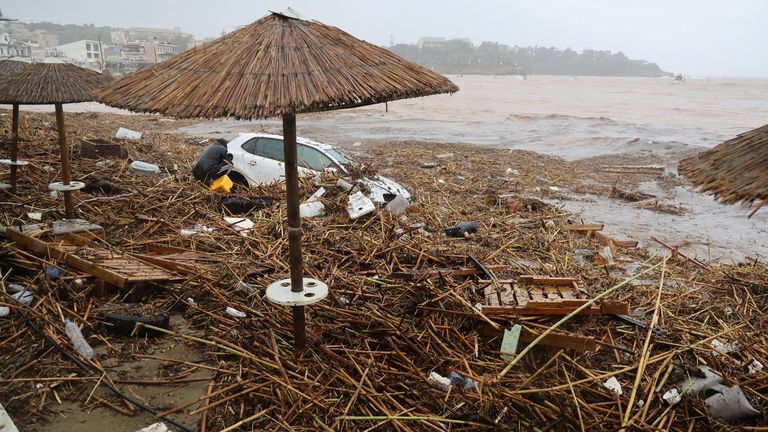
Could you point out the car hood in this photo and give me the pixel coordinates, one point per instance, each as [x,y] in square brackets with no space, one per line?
[381,186]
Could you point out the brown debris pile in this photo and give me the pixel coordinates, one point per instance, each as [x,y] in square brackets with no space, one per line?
[375,340]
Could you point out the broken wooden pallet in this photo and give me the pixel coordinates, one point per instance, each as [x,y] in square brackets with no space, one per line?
[541,295]
[594,230]
[456,272]
[557,339]
[90,257]
[177,259]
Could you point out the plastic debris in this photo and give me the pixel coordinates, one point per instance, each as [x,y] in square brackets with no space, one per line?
[344,185]
[4,311]
[145,168]
[729,403]
[13,288]
[462,229]
[23,297]
[77,339]
[696,385]
[439,381]
[242,225]
[313,206]
[613,385]
[155,427]
[128,134]
[509,342]
[247,288]
[607,255]
[197,229]
[672,397]
[53,272]
[191,301]
[726,348]
[755,367]
[359,205]
[550,224]
[6,423]
[398,205]
[223,184]
[35,216]
[511,171]
[463,382]
[428,165]
[235,313]
[444,155]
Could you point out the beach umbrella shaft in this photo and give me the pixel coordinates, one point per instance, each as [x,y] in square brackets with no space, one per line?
[294,224]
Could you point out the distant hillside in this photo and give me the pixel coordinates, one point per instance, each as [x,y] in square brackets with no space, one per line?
[73,32]
[491,58]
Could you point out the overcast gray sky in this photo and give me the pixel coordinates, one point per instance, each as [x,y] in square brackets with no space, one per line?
[695,37]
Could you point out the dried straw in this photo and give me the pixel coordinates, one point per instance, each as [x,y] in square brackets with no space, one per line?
[48,83]
[735,171]
[274,66]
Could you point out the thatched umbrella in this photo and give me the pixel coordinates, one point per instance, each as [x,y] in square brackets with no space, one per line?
[50,83]
[10,67]
[278,66]
[735,171]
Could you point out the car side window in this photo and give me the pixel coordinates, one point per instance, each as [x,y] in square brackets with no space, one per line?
[250,145]
[312,158]
[270,148]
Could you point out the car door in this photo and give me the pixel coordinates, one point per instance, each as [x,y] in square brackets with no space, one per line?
[260,159]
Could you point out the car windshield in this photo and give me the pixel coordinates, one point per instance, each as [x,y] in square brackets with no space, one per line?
[312,158]
[339,156]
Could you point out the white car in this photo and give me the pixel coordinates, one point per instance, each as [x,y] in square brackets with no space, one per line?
[259,159]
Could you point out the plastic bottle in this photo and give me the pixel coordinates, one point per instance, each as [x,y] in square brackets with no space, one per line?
[77,339]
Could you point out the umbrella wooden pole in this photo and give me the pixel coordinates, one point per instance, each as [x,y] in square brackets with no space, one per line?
[294,225]
[69,207]
[14,145]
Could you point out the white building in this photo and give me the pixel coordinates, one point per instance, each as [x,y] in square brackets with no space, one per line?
[12,48]
[85,52]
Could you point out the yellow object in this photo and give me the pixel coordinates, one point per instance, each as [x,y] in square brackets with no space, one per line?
[222,183]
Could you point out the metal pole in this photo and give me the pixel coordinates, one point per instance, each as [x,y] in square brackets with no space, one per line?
[294,225]
[14,145]
[69,207]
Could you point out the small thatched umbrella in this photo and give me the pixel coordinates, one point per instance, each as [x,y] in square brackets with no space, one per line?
[51,83]
[735,171]
[10,67]
[278,66]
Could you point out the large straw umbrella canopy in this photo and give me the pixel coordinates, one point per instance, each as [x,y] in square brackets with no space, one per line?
[49,83]
[278,66]
[735,171]
[10,67]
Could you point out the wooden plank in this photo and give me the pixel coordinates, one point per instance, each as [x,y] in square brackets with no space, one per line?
[557,308]
[552,293]
[427,274]
[567,293]
[491,296]
[42,248]
[555,339]
[583,227]
[536,294]
[545,280]
[615,308]
[521,297]
[113,268]
[619,243]
[561,340]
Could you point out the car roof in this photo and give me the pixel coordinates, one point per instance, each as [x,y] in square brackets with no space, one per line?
[300,140]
